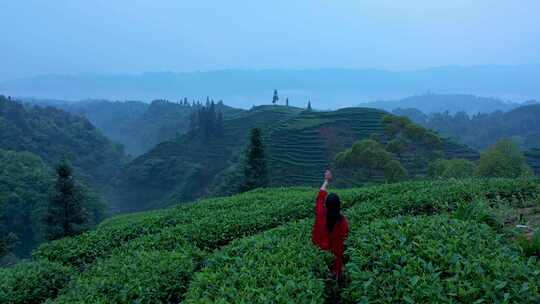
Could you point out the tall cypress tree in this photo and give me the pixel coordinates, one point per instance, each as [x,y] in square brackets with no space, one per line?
[65,213]
[255,169]
[275,98]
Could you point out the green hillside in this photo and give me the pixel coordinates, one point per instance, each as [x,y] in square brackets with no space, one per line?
[139,126]
[54,134]
[480,131]
[189,167]
[432,241]
[299,145]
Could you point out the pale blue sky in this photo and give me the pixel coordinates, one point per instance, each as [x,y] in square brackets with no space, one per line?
[133,36]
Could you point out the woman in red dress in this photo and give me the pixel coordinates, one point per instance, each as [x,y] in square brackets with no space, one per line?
[331,228]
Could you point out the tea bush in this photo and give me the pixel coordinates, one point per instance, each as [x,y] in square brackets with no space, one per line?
[135,277]
[277,266]
[436,259]
[32,282]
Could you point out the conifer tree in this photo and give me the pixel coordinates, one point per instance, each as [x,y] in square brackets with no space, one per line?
[275,98]
[255,169]
[309,105]
[7,239]
[65,214]
[287,102]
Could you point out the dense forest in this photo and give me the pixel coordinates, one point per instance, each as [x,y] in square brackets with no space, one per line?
[482,130]
[53,135]
[139,126]
[33,140]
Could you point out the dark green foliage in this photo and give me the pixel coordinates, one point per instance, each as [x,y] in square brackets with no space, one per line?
[399,127]
[275,98]
[533,159]
[483,130]
[7,239]
[368,159]
[65,213]
[32,282]
[530,244]
[25,182]
[134,277]
[206,121]
[54,134]
[504,159]
[255,167]
[397,146]
[436,259]
[264,269]
[451,168]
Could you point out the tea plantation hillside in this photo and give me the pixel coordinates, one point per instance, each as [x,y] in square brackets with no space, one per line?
[447,241]
[298,142]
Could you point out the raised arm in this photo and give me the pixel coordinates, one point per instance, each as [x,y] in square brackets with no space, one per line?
[321,198]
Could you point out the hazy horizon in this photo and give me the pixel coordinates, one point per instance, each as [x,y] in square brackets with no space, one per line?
[134,37]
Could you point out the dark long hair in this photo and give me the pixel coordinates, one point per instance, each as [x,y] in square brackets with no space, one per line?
[333,211]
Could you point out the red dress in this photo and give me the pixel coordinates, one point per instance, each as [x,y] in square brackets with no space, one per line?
[326,240]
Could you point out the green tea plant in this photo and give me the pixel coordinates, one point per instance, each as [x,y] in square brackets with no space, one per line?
[436,260]
[135,277]
[32,282]
[277,266]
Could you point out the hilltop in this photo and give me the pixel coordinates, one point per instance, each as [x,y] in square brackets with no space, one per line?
[299,145]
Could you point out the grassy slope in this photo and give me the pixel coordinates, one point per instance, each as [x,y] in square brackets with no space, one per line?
[299,145]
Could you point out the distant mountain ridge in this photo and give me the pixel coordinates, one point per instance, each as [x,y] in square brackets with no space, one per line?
[327,88]
[453,103]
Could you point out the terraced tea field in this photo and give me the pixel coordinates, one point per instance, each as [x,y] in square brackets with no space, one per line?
[410,242]
[298,144]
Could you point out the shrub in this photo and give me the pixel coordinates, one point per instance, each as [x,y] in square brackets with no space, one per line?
[451,168]
[32,282]
[277,266]
[436,259]
[504,159]
[530,247]
[135,277]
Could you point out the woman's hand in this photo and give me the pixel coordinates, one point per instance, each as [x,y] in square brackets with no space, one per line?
[327,178]
[328,175]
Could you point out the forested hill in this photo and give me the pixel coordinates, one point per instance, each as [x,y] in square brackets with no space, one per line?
[482,130]
[453,103]
[138,126]
[54,134]
[299,144]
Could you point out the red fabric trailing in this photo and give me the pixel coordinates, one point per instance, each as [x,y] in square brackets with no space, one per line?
[329,241]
